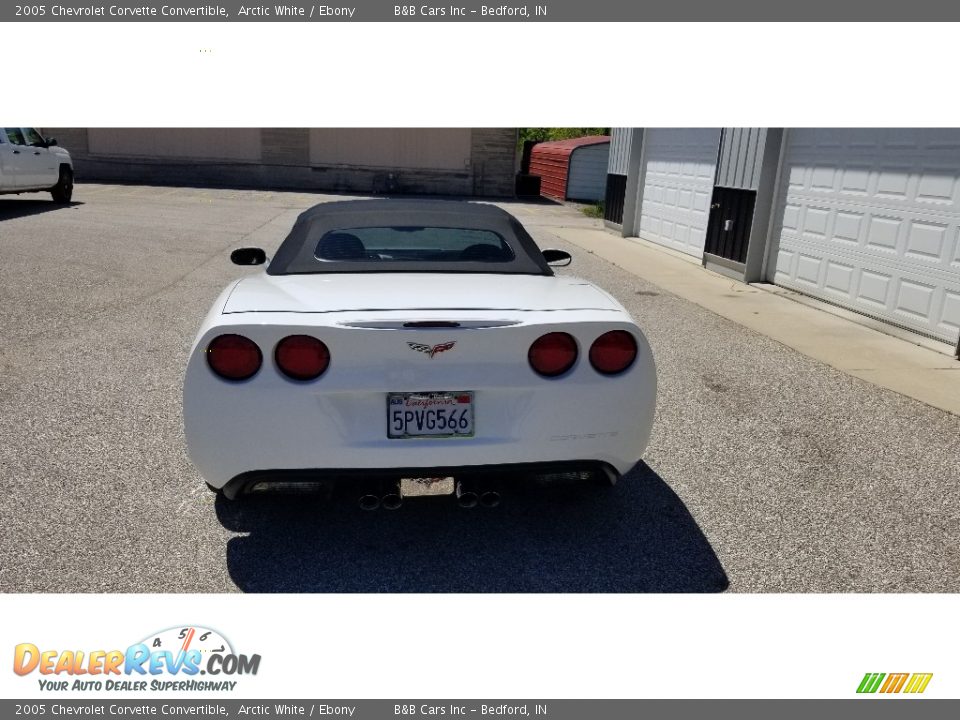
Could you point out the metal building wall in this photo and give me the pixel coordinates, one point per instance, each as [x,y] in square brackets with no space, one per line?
[618,171]
[620,140]
[747,165]
[551,164]
[741,158]
[635,178]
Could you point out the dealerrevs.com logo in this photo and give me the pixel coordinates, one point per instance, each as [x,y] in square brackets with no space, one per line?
[893,683]
[178,659]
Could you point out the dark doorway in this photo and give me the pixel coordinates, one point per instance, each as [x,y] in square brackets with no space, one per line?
[613,203]
[731,215]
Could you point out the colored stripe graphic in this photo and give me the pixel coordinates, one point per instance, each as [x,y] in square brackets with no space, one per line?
[918,683]
[870,682]
[894,682]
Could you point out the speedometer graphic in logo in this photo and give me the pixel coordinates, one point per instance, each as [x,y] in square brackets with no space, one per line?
[183,639]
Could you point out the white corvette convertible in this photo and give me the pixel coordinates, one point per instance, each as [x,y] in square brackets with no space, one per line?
[413,348]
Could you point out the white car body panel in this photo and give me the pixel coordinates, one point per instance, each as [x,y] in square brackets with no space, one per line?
[11,159]
[377,291]
[339,421]
[24,168]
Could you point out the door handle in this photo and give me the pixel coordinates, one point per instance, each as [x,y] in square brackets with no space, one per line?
[16,152]
[36,152]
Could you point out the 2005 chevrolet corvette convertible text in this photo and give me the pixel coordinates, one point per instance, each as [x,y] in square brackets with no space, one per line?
[418,343]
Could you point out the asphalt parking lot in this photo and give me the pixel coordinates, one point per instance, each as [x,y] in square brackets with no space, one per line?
[767,471]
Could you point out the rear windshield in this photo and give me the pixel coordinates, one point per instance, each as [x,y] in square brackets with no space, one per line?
[412,244]
[407,236]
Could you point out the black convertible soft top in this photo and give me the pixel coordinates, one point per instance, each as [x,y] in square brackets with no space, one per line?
[298,252]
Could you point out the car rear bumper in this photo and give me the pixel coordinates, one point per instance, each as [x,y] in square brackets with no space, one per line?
[362,478]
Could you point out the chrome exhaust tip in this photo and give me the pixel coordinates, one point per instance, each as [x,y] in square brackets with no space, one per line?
[466,498]
[369,502]
[391,501]
[609,474]
[490,499]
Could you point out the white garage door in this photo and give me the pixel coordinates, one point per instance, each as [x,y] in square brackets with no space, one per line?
[587,176]
[869,220]
[679,165]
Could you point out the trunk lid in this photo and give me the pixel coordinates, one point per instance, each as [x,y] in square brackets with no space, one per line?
[361,292]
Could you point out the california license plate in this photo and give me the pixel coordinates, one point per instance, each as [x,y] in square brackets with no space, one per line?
[426,486]
[430,414]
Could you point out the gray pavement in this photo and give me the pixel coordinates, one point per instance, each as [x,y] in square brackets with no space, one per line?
[920,368]
[768,471]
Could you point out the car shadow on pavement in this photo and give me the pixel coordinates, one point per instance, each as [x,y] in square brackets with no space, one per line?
[635,537]
[14,208]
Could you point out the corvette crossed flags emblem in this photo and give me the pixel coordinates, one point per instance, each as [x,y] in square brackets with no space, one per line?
[431,351]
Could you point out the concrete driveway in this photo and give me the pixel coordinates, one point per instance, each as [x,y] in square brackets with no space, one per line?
[768,471]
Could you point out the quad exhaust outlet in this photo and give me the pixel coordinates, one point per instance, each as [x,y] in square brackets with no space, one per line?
[490,499]
[392,500]
[369,502]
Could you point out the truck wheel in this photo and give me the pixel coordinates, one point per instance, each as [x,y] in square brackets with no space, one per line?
[63,190]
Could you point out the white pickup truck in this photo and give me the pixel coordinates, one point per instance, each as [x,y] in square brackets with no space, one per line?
[30,162]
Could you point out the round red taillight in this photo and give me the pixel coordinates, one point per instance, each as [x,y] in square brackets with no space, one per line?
[553,354]
[234,357]
[613,352]
[302,357]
